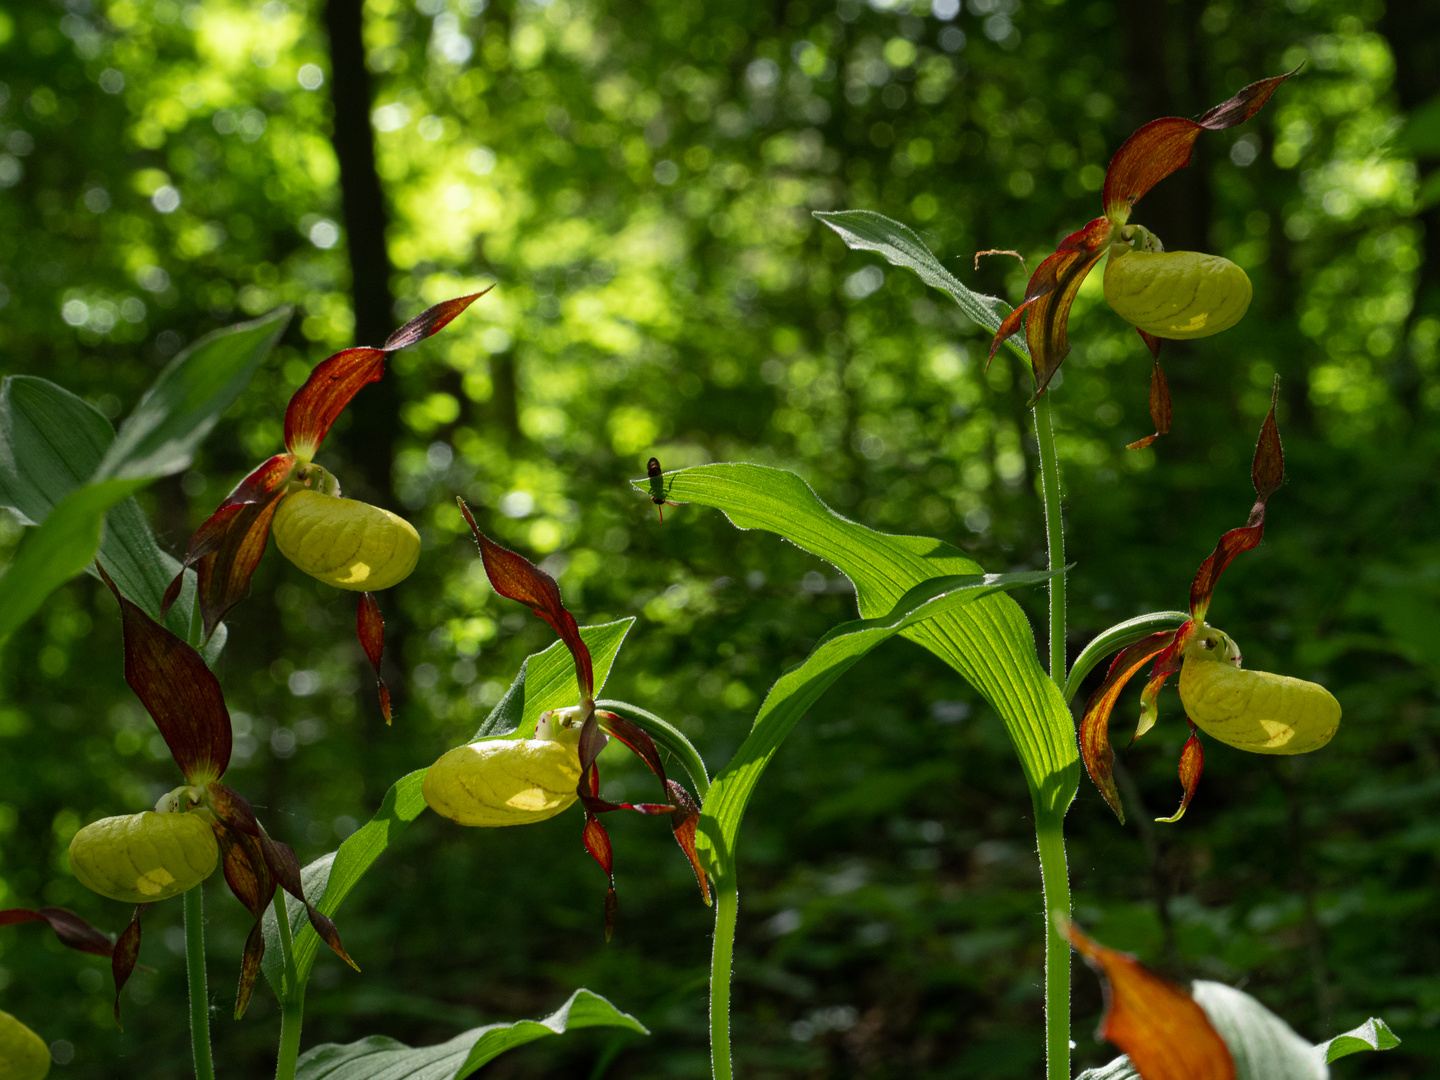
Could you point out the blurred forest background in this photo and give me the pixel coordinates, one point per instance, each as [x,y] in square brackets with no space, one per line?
[638,178]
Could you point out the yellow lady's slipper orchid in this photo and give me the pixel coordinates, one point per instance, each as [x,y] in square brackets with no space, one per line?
[1252,710]
[141,858]
[23,1054]
[344,542]
[508,781]
[1176,294]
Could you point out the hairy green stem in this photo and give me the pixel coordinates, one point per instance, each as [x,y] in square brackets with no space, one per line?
[727,906]
[1050,827]
[1054,535]
[199,994]
[292,1007]
[1055,881]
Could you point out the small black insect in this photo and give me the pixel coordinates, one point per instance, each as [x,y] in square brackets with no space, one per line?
[657,488]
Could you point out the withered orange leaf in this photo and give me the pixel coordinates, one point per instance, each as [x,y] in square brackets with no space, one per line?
[1157,1023]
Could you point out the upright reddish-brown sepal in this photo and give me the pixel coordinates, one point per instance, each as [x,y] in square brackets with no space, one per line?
[1267,473]
[1048,298]
[336,380]
[1095,727]
[228,546]
[1192,764]
[517,578]
[1163,146]
[370,628]
[125,956]
[1157,1023]
[1159,404]
[179,692]
[285,868]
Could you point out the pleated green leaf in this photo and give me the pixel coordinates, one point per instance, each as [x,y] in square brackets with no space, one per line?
[989,641]
[799,688]
[381,1058]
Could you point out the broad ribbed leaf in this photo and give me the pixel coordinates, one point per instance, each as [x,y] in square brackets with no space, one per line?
[183,404]
[546,681]
[865,230]
[381,1058]
[989,642]
[799,688]
[58,550]
[51,443]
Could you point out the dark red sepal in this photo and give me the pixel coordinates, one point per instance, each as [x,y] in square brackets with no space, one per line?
[683,822]
[1162,1028]
[179,691]
[224,575]
[1159,404]
[71,929]
[285,867]
[370,628]
[1049,296]
[336,380]
[233,809]
[122,960]
[1095,746]
[597,843]
[1267,473]
[1162,146]
[220,544]
[250,879]
[250,962]
[517,578]
[1192,764]
[640,743]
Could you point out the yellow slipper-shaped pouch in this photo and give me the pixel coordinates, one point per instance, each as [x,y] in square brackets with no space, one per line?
[23,1054]
[141,858]
[504,781]
[1176,294]
[344,542]
[1253,710]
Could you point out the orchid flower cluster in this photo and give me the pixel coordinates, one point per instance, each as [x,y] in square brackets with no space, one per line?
[342,542]
[1251,710]
[1176,295]
[517,781]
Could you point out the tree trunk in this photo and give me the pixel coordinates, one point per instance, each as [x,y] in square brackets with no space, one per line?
[374,414]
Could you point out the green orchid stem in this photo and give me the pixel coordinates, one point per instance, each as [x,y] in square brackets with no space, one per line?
[1054,535]
[292,1010]
[1055,881]
[727,907]
[1050,828]
[199,993]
